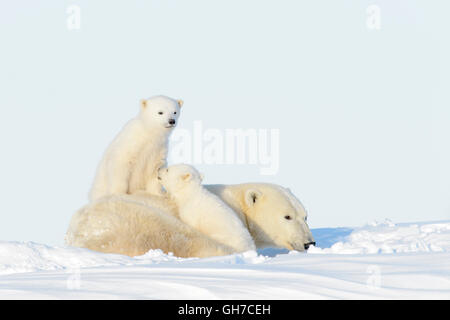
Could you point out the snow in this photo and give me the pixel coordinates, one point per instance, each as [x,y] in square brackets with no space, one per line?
[387,237]
[377,261]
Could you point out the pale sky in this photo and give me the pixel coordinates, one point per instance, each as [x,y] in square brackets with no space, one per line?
[363,115]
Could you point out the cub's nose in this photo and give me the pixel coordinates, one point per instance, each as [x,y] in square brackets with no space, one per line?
[309,244]
[171,121]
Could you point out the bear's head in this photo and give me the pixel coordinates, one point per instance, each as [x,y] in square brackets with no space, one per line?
[177,177]
[160,111]
[275,217]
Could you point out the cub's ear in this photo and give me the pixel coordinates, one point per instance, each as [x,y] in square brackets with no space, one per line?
[143,103]
[180,102]
[202,176]
[252,196]
[186,177]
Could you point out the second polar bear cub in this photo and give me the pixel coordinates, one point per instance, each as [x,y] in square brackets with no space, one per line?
[131,162]
[203,210]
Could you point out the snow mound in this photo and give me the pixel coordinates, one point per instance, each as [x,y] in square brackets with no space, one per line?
[18,257]
[387,237]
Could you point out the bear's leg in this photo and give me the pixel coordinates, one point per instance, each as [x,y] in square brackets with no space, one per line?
[118,179]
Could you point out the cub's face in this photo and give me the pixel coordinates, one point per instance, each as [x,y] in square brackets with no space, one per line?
[161,111]
[177,177]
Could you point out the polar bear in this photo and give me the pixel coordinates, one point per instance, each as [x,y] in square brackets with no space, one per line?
[131,161]
[203,210]
[126,224]
[272,214]
[133,224]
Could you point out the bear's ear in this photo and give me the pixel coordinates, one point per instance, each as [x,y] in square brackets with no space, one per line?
[252,196]
[180,102]
[143,103]
[186,177]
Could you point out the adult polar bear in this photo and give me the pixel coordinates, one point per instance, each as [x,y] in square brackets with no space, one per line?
[134,224]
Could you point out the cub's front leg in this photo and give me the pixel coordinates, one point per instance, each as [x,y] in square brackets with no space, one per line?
[118,177]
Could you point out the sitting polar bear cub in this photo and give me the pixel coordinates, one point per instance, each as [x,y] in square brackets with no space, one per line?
[131,162]
[203,210]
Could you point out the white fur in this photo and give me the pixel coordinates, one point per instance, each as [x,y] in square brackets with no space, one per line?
[128,224]
[265,207]
[131,162]
[203,210]
[134,224]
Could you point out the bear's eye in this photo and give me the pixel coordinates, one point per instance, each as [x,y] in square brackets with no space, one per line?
[288,217]
[175,112]
[160,112]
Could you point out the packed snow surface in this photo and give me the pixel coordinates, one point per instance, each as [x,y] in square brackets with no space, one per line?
[377,261]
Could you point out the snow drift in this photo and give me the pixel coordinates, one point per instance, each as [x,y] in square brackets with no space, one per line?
[380,260]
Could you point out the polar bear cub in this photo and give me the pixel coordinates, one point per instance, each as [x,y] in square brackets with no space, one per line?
[131,162]
[203,210]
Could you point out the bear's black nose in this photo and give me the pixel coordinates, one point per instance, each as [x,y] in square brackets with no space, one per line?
[309,244]
[172,121]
